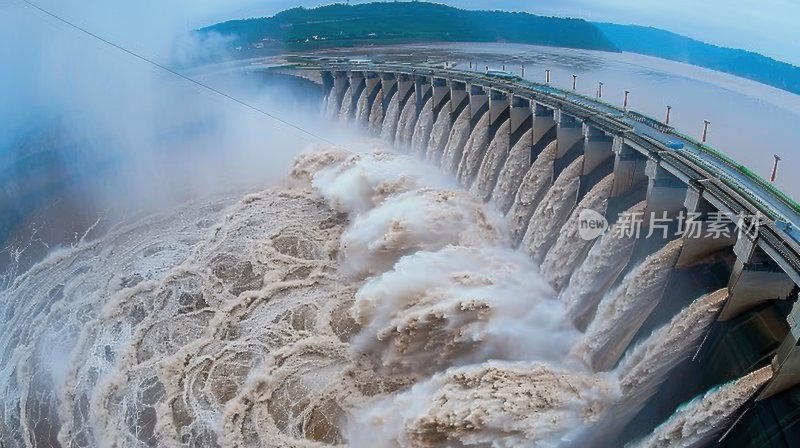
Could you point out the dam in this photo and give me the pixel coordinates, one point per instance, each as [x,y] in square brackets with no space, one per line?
[542,155]
[488,261]
[319,229]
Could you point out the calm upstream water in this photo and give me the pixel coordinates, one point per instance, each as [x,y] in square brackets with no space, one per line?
[749,121]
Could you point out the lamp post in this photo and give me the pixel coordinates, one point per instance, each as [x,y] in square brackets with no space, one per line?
[774,168]
[705,130]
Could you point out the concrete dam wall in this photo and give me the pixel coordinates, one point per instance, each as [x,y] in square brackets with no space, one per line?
[680,271]
[500,263]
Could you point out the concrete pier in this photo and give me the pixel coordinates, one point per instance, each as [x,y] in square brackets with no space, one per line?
[755,279]
[544,126]
[478,103]
[441,94]
[569,134]
[665,192]
[786,363]
[598,148]
[629,179]
[498,107]
[422,90]
[459,97]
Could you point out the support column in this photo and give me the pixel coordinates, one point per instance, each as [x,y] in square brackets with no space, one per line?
[597,148]
[459,97]
[520,119]
[755,279]
[665,192]
[544,129]
[786,363]
[629,168]
[356,80]
[389,87]
[520,114]
[405,86]
[478,102]
[357,85]
[570,133]
[598,161]
[629,177]
[441,93]
[372,81]
[498,106]
[699,241]
[422,90]
[327,82]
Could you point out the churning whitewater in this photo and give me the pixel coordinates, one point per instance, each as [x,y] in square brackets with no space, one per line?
[369,300]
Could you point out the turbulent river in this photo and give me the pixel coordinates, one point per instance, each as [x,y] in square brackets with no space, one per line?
[438,298]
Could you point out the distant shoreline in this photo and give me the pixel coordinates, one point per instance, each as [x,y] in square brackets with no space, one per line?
[403,23]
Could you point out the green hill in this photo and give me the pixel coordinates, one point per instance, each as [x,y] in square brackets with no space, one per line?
[403,22]
[667,45]
[341,25]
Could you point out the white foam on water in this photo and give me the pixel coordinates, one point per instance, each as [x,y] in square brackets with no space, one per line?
[553,212]
[422,131]
[474,150]
[696,423]
[570,248]
[492,163]
[389,127]
[532,189]
[624,310]
[346,111]
[439,136]
[601,268]
[376,115]
[456,142]
[512,173]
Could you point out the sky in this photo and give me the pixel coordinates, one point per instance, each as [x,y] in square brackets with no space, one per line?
[766,26]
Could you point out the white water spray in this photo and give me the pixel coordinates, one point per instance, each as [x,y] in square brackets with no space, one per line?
[512,173]
[362,109]
[492,404]
[623,310]
[474,151]
[376,115]
[492,163]
[346,111]
[439,136]
[389,126]
[532,189]
[697,423]
[422,131]
[456,143]
[646,367]
[553,212]
[405,126]
[604,263]
[570,248]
